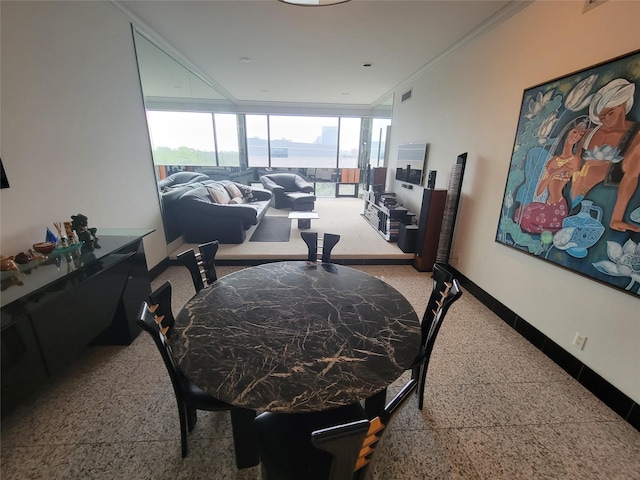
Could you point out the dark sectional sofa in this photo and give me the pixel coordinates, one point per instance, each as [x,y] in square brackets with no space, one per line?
[202,209]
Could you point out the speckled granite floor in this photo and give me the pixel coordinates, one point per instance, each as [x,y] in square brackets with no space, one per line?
[495,408]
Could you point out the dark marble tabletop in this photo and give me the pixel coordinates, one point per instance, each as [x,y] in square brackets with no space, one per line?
[296,336]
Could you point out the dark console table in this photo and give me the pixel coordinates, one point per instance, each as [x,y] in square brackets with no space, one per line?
[52,309]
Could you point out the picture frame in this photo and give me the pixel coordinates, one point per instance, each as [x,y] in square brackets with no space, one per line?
[572,195]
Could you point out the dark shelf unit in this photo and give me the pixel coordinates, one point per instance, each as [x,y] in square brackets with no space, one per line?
[385,220]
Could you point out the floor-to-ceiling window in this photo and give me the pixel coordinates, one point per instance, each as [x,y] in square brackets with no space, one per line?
[193,140]
[324,149]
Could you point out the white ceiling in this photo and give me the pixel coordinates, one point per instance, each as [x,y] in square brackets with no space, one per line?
[269,51]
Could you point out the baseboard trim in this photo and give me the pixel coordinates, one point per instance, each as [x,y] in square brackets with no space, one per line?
[159,268]
[620,403]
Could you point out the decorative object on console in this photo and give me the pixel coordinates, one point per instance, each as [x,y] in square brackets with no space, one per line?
[571,195]
[62,236]
[7,263]
[44,247]
[50,237]
[451,210]
[80,224]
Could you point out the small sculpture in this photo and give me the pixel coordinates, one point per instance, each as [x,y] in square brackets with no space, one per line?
[80,224]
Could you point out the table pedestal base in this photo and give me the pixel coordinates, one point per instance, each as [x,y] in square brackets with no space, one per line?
[244,440]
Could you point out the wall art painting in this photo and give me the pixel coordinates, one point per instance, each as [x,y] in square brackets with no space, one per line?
[572,196]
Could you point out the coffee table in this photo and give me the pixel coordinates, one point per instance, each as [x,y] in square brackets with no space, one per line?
[304,218]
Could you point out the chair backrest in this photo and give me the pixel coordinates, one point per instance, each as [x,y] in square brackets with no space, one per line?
[352,445]
[152,324]
[207,257]
[290,182]
[320,247]
[441,277]
[432,320]
[159,303]
[201,265]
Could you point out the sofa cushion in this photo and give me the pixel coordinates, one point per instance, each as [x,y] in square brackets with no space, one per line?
[179,179]
[246,191]
[233,190]
[218,194]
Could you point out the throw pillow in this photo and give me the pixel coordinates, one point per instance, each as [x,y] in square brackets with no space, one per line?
[246,192]
[233,190]
[218,195]
[237,200]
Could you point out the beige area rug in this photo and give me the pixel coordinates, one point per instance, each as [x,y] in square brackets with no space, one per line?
[343,216]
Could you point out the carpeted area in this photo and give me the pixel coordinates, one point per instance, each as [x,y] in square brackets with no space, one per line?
[358,240]
[272,229]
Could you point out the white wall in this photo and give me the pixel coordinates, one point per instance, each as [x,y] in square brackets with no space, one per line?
[74,137]
[470,102]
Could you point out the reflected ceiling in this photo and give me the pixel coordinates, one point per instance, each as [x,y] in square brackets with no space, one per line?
[270,51]
[164,77]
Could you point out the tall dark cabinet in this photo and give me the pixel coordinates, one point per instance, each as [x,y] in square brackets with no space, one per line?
[429,225]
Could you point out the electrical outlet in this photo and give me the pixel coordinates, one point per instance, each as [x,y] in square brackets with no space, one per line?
[579,340]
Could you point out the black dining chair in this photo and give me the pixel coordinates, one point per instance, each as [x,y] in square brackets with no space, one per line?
[201,265]
[335,444]
[446,290]
[189,397]
[320,247]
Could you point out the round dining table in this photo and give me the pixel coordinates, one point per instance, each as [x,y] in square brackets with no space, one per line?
[295,336]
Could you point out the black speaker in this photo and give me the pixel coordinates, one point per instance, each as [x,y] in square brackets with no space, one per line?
[431,213]
[431,180]
[407,235]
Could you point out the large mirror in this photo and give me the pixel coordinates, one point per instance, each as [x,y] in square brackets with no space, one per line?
[374,160]
[192,126]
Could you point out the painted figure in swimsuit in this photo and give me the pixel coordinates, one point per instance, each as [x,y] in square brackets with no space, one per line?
[611,150]
[538,216]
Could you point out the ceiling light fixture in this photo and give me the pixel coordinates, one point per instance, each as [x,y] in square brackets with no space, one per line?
[313,3]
